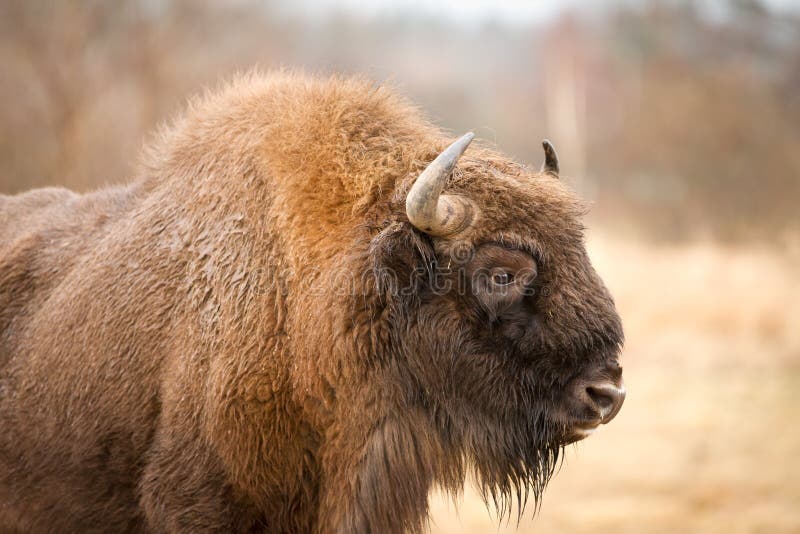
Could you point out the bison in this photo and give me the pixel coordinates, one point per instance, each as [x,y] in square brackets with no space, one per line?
[307,309]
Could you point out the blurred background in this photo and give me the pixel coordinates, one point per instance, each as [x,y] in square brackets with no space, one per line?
[679,120]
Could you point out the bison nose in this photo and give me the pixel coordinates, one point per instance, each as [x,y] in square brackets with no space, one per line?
[592,400]
[606,399]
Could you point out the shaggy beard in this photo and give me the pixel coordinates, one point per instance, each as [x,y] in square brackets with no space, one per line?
[512,466]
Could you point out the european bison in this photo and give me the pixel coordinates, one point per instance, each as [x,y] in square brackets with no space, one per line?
[285,325]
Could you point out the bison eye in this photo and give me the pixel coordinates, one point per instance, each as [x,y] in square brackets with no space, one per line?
[502,278]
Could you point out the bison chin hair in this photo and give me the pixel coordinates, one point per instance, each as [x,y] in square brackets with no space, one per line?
[512,462]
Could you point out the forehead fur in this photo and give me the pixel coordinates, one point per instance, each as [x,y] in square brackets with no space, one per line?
[334,148]
[515,203]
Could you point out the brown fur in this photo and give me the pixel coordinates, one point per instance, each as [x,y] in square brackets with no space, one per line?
[218,346]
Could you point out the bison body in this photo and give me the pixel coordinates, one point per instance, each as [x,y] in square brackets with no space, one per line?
[250,336]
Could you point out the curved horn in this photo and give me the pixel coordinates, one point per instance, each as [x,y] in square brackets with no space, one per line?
[550,158]
[427,208]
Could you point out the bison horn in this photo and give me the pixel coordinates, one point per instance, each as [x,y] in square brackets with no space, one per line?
[550,158]
[427,208]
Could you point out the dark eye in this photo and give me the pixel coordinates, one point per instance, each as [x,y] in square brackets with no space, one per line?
[502,278]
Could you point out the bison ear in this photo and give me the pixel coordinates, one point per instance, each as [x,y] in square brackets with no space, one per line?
[400,258]
[550,164]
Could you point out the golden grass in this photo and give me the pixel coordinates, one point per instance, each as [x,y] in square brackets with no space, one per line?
[709,437]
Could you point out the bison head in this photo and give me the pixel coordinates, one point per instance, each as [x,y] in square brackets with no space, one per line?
[500,328]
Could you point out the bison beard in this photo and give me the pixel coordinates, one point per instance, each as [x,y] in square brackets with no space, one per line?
[309,309]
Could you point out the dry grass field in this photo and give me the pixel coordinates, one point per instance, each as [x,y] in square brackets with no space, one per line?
[708,439]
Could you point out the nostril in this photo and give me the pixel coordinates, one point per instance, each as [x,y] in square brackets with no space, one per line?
[600,397]
[607,398]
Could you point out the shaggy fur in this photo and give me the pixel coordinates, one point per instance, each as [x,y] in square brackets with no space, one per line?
[248,337]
